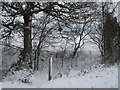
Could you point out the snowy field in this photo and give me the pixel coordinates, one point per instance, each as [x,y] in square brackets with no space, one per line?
[95,76]
[100,77]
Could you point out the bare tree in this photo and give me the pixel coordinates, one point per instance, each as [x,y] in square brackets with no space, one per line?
[64,14]
[106,33]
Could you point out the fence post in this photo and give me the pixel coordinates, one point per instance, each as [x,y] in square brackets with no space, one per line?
[50,69]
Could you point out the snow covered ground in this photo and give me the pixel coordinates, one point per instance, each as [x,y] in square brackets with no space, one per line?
[100,77]
[107,78]
[97,77]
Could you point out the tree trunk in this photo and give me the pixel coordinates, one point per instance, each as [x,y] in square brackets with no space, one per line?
[118,45]
[37,62]
[27,40]
[75,51]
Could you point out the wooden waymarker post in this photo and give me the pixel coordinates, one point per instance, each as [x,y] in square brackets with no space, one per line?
[50,69]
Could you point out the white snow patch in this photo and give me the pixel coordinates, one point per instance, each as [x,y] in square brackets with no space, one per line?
[100,78]
[97,78]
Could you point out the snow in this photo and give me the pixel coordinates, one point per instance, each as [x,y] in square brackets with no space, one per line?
[100,77]
[107,78]
[81,77]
